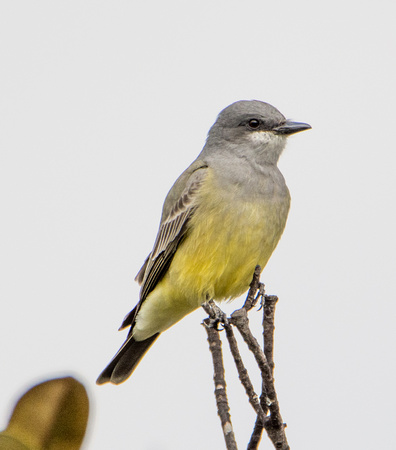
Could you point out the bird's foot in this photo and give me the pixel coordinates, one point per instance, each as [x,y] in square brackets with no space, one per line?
[260,295]
[216,315]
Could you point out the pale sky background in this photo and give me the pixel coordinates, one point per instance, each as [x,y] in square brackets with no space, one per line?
[102,105]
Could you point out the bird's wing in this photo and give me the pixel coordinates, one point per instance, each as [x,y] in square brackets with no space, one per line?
[178,208]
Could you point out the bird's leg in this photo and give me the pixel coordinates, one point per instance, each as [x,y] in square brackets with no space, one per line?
[260,295]
[255,287]
[216,315]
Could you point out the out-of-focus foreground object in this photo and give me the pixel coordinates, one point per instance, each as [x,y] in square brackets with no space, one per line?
[51,415]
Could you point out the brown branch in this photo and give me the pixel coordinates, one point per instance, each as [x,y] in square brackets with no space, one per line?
[255,438]
[269,304]
[218,376]
[269,328]
[243,373]
[273,423]
[216,315]
[267,410]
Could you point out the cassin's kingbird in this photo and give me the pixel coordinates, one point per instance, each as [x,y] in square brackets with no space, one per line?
[223,216]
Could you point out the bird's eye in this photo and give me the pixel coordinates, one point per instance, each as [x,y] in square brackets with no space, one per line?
[254,123]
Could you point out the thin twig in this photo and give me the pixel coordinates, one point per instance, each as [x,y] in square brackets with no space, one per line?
[269,328]
[240,319]
[243,373]
[220,384]
[269,303]
[257,433]
[267,410]
[273,423]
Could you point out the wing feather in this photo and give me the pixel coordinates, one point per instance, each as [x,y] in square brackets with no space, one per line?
[171,232]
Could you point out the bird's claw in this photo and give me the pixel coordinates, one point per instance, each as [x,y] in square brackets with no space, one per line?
[216,316]
[260,295]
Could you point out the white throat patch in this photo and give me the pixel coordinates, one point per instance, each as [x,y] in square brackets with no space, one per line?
[271,143]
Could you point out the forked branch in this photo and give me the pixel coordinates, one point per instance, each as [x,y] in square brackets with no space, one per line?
[267,410]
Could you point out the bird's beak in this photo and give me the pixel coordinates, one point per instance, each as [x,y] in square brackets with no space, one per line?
[290,127]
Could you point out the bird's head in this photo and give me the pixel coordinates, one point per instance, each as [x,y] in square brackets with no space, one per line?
[253,126]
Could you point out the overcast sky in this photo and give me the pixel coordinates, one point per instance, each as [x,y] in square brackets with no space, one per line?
[102,105]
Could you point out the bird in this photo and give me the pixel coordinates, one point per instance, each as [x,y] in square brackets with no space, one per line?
[223,216]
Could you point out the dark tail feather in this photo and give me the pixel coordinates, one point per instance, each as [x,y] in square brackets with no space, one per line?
[125,361]
[129,319]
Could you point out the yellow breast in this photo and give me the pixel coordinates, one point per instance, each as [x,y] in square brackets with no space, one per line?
[227,237]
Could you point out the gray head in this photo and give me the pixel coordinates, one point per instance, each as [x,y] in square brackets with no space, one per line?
[252,127]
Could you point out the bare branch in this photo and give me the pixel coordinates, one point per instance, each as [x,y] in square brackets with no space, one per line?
[240,319]
[269,303]
[243,373]
[267,410]
[269,328]
[273,423]
[219,381]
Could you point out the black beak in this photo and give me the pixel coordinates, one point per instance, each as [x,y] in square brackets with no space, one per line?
[291,127]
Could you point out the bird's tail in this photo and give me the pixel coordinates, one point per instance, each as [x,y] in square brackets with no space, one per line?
[125,361]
